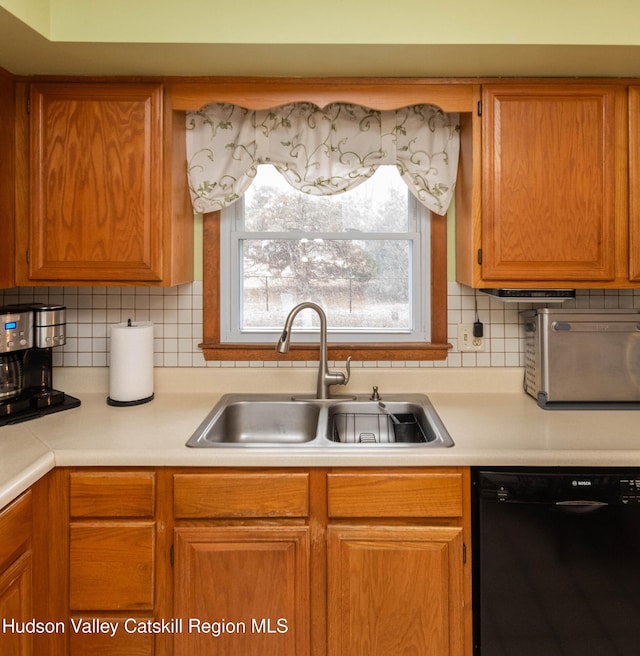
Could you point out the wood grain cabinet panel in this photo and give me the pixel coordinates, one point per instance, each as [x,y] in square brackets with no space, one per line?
[551,181]
[112,494]
[634,183]
[16,574]
[395,590]
[397,494]
[256,579]
[96,182]
[15,529]
[123,643]
[16,605]
[7,180]
[107,199]
[542,194]
[112,565]
[244,494]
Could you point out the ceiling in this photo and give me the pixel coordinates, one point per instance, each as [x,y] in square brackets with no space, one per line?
[23,51]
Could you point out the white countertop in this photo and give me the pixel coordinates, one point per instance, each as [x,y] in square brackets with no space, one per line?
[503,426]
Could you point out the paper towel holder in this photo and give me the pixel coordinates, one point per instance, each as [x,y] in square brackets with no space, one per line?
[132,402]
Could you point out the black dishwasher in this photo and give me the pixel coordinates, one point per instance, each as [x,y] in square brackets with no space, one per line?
[556,561]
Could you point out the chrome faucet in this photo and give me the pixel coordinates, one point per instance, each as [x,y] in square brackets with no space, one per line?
[326,378]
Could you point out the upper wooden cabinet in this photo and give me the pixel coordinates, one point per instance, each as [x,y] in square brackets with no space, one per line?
[7,179]
[107,199]
[553,181]
[634,183]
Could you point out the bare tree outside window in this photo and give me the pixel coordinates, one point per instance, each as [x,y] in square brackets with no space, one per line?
[353,253]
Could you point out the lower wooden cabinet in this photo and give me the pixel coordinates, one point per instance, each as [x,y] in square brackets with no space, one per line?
[254,562]
[352,562]
[395,590]
[242,590]
[16,577]
[114,579]
[111,566]
[16,608]
[105,644]
[397,578]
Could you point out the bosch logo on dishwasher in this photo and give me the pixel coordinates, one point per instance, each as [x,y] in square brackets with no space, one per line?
[578,483]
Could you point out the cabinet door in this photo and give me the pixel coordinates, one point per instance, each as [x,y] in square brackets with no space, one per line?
[7,179]
[16,606]
[242,590]
[553,182]
[112,566]
[126,641]
[96,182]
[395,590]
[634,183]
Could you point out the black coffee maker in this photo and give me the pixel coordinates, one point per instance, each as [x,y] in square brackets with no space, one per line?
[28,334]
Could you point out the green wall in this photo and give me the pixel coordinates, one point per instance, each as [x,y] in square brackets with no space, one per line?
[334,21]
[35,13]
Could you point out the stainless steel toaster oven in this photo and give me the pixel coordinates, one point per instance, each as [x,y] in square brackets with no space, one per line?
[582,357]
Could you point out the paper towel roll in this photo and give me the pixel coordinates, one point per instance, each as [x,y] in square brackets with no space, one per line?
[131,367]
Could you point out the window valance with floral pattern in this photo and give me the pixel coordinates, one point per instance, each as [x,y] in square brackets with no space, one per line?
[320,151]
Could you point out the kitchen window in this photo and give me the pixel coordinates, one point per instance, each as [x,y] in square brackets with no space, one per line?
[359,255]
[214,313]
[361,245]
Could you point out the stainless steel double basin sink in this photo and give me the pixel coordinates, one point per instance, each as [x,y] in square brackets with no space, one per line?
[280,420]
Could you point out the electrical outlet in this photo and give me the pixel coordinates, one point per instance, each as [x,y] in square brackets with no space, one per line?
[466,341]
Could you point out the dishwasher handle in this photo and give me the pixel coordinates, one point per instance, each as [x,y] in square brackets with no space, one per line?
[581,506]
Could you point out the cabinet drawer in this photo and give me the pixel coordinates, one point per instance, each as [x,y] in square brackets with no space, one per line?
[241,495]
[112,565]
[123,643]
[15,528]
[112,494]
[395,494]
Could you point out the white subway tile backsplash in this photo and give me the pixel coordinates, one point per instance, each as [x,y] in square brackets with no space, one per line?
[177,316]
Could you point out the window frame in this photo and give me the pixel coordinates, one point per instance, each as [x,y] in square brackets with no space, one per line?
[417,233]
[214,349]
[383,93]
